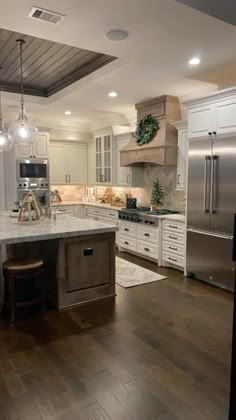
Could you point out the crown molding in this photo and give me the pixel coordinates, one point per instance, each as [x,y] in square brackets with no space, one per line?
[211,97]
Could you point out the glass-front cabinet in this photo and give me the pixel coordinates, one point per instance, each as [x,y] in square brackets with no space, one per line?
[103,146]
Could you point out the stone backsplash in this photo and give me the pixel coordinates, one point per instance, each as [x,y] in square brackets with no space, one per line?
[174,199]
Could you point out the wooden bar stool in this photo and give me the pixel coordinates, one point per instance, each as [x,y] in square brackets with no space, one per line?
[18,271]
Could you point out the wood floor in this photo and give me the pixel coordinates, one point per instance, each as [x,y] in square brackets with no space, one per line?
[162,351]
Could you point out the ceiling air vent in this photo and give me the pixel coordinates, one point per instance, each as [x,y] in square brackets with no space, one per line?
[46,15]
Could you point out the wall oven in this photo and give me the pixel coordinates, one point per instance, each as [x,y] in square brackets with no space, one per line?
[32,173]
[42,195]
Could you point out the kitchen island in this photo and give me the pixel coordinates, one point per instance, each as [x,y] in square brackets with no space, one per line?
[79,256]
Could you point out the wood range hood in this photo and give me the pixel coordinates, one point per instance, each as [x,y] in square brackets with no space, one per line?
[162,150]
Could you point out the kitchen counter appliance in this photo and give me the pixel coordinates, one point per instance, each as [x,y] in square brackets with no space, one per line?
[33,175]
[143,215]
[210,210]
[131,203]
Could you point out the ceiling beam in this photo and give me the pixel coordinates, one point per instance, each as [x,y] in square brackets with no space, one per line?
[224,10]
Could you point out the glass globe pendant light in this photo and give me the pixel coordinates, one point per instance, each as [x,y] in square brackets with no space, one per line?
[21,131]
[5,142]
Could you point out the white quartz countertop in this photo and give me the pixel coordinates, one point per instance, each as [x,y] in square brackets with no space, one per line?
[85,203]
[11,231]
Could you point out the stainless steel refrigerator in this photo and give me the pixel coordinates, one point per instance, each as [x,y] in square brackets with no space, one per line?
[210,210]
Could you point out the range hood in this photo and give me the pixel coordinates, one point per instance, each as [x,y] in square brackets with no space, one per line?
[162,150]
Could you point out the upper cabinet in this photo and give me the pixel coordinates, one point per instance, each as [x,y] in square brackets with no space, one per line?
[91,162]
[212,115]
[125,176]
[201,121]
[39,149]
[103,151]
[68,163]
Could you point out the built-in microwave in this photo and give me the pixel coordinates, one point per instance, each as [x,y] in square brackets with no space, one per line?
[32,171]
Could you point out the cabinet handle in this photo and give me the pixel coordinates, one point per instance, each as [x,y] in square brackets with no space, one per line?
[171,247]
[65,178]
[69,177]
[126,229]
[173,237]
[178,182]
[209,133]
[172,259]
[128,179]
[126,243]
[214,132]
[146,234]
[146,249]
[173,226]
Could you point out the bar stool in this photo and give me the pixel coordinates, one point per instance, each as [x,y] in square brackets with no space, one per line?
[16,271]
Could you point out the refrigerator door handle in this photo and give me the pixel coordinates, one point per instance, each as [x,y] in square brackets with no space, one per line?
[214,159]
[205,208]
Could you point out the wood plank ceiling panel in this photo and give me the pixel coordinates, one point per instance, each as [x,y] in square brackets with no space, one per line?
[47,66]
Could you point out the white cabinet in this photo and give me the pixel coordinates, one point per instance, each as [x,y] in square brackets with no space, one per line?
[173,244]
[182,155]
[225,117]
[103,151]
[141,239]
[77,164]
[68,163]
[58,163]
[125,176]
[91,163]
[39,149]
[212,115]
[201,121]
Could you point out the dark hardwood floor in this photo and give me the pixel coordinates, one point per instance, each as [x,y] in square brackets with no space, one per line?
[161,351]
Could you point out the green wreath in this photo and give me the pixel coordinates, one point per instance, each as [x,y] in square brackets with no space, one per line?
[146,130]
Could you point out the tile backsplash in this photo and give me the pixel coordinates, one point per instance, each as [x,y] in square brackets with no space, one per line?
[167,175]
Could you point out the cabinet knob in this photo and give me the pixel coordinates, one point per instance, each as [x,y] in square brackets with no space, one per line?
[209,133]
[214,132]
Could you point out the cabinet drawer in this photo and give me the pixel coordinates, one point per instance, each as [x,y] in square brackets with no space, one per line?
[174,248]
[128,229]
[112,214]
[173,226]
[173,259]
[148,249]
[127,242]
[149,235]
[173,236]
[96,211]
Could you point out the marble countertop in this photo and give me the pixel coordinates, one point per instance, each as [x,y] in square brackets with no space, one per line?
[65,226]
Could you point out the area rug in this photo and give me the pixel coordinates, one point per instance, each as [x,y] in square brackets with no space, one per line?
[129,274]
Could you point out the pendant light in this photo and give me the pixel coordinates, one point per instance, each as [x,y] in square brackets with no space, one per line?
[5,142]
[21,131]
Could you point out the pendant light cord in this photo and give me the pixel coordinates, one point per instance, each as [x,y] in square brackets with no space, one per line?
[21,42]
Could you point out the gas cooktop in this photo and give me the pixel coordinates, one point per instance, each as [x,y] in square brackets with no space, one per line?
[143,215]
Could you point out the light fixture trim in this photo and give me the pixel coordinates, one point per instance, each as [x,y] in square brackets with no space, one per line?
[116,34]
[194,61]
[67,112]
[113,94]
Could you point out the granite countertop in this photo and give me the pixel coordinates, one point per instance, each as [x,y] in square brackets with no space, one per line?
[177,217]
[86,203]
[65,226]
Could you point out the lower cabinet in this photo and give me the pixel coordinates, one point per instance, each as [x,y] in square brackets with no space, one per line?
[104,215]
[173,244]
[85,269]
[139,239]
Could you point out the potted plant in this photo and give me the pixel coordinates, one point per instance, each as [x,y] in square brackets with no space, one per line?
[157,197]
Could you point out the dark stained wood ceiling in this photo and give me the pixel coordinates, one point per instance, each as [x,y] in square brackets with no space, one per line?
[47,66]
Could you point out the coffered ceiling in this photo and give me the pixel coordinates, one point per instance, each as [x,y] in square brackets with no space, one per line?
[48,66]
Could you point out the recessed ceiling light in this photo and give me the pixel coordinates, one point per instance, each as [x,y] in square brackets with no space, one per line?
[67,112]
[112,94]
[194,61]
[117,35]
